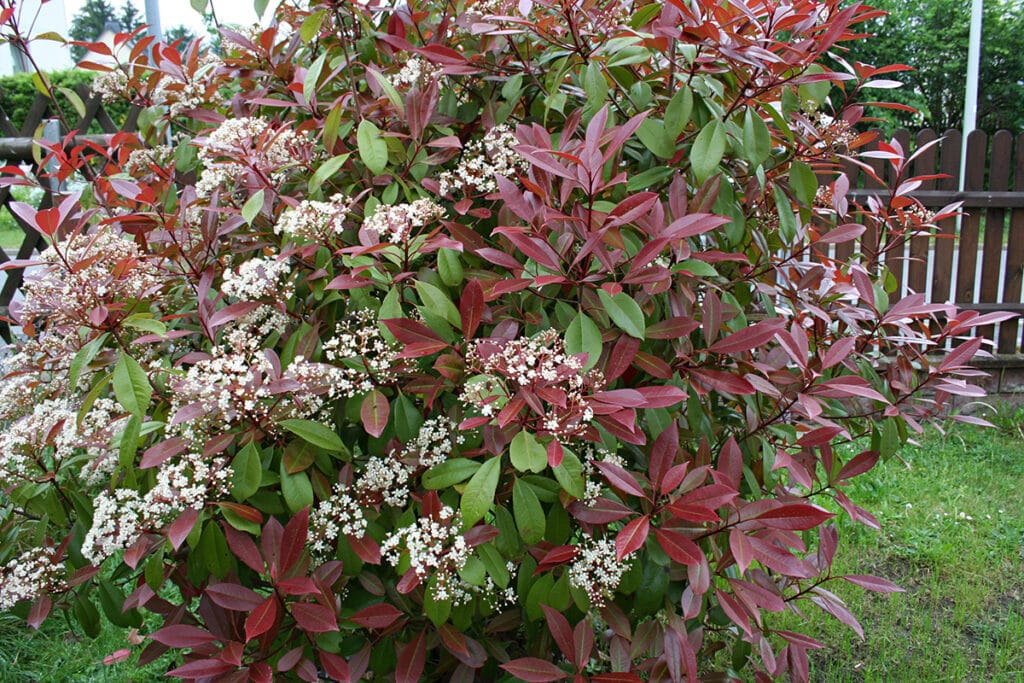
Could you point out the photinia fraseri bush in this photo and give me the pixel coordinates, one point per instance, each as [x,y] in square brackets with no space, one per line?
[468,341]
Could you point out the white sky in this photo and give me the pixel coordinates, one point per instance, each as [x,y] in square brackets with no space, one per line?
[177,12]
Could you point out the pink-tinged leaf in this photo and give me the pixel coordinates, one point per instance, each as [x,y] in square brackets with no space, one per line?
[735,610]
[117,656]
[661,397]
[182,527]
[672,328]
[164,450]
[471,307]
[408,583]
[365,548]
[412,659]
[377,617]
[335,667]
[801,639]
[858,465]
[724,382]
[293,541]
[534,670]
[233,596]
[741,550]
[847,387]
[348,281]
[748,338]
[183,635]
[262,619]
[374,412]
[415,335]
[835,607]
[555,557]
[260,672]
[555,453]
[795,517]
[244,548]
[203,668]
[617,677]
[961,355]
[844,233]
[187,413]
[40,610]
[298,585]
[231,313]
[663,454]
[838,352]
[313,617]
[730,463]
[632,536]
[602,511]
[873,583]
[583,639]
[679,547]
[620,478]
[621,357]
[561,631]
[290,659]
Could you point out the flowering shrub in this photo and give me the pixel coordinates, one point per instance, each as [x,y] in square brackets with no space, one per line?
[468,341]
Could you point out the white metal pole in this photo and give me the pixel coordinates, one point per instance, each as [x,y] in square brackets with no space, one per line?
[153,19]
[971,92]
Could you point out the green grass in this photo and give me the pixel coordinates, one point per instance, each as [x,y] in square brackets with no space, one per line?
[952,536]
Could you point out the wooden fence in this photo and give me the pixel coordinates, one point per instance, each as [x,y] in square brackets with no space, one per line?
[981,270]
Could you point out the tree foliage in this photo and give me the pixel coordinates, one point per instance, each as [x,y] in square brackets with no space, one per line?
[95,16]
[470,341]
[932,37]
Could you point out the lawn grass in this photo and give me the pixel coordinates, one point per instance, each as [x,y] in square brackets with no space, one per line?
[953,536]
[952,530]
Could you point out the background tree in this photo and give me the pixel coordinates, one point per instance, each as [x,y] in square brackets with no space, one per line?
[932,37]
[90,21]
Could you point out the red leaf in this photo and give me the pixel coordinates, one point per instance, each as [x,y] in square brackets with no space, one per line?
[183,635]
[620,478]
[335,667]
[632,536]
[293,540]
[40,610]
[234,597]
[299,585]
[725,382]
[471,307]
[555,453]
[617,677]
[244,548]
[204,668]
[661,397]
[158,453]
[558,555]
[230,313]
[412,660]
[583,638]
[679,547]
[262,619]
[621,357]
[844,233]
[314,618]
[347,281]
[366,548]
[747,338]
[873,583]
[182,527]
[374,413]
[534,670]
[602,511]
[561,631]
[377,617]
[795,517]
[858,465]
[417,336]
[663,454]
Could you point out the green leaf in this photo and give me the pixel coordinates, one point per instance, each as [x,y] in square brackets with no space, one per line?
[199,5]
[624,312]
[213,548]
[146,323]
[449,267]
[495,564]
[248,472]
[312,78]
[75,101]
[449,473]
[129,445]
[296,489]
[528,513]
[407,418]
[677,113]
[569,474]
[757,139]
[707,150]
[85,355]
[803,182]
[527,454]
[698,268]
[438,302]
[311,25]
[652,176]
[594,85]
[787,217]
[584,336]
[131,385]
[316,434]
[436,610]
[478,497]
[260,6]
[372,148]
[326,170]
[655,138]
[252,207]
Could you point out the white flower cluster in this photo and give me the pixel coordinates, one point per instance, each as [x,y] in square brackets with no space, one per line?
[396,222]
[249,331]
[463,592]
[190,92]
[387,479]
[596,570]
[17,386]
[141,161]
[24,443]
[121,517]
[95,433]
[212,178]
[111,85]
[541,365]
[338,515]
[34,573]
[361,354]
[247,141]
[482,160]
[416,71]
[314,221]
[436,440]
[592,454]
[259,278]
[90,271]
[436,548]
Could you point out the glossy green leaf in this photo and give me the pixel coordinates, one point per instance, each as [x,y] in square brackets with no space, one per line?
[296,489]
[584,336]
[756,138]
[247,469]
[478,496]
[569,474]
[85,355]
[449,473]
[528,513]
[438,302]
[678,110]
[252,207]
[653,135]
[527,454]
[316,434]
[326,171]
[373,150]
[707,150]
[131,385]
[624,312]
